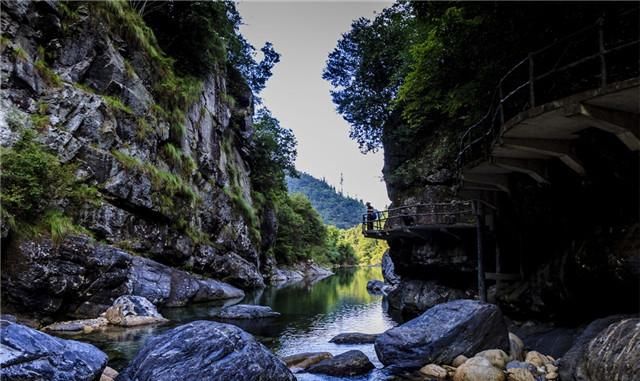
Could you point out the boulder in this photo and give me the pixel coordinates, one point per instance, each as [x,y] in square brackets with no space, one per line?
[347,364]
[81,278]
[245,311]
[442,333]
[413,297]
[478,369]
[614,354]
[536,358]
[27,354]
[301,361]
[354,338]
[496,357]
[132,310]
[205,350]
[376,287]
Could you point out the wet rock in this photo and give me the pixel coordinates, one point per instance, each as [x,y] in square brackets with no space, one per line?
[351,363]
[442,333]
[434,371]
[27,354]
[82,278]
[131,310]
[205,350]
[354,338]
[546,338]
[79,326]
[377,287]
[413,297]
[388,270]
[302,361]
[522,365]
[245,311]
[478,369]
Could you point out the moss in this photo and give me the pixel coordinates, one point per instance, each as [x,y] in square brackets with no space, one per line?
[116,104]
[49,76]
[59,226]
[229,100]
[40,122]
[4,41]
[20,53]
[144,129]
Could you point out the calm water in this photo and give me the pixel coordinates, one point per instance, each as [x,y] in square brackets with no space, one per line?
[311,315]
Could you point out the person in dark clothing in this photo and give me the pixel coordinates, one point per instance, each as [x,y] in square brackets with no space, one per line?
[371,216]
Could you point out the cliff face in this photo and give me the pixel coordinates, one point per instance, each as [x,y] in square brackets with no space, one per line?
[168,162]
[573,241]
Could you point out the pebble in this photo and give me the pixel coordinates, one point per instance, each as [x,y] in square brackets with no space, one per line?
[435,371]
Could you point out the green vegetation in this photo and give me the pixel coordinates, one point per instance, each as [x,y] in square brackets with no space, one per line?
[420,73]
[367,251]
[116,104]
[39,121]
[33,183]
[335,208]
[167,185]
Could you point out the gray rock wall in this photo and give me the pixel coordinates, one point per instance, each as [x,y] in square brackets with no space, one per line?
[102,116]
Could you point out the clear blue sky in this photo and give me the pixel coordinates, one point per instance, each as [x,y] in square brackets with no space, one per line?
[304,33]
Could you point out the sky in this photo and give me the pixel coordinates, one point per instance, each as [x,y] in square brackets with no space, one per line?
[304,33]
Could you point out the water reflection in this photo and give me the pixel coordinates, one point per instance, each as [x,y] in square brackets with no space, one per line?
[312,313]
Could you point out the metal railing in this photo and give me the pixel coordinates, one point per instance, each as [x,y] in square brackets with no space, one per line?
[420,215]
[590,58]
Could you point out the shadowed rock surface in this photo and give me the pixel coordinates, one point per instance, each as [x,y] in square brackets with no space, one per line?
[205,350]
[27,354]
[413,297]
[351,363]
[442,333]
[82,278]
[608,349]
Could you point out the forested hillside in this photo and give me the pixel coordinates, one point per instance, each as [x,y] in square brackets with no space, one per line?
[334,208]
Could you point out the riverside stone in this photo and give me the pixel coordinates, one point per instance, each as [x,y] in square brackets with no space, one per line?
[132,310]
[245,311]
[496,357]
[28,354]
[520,374]
[516,347]
[478,369]
[442,333]
[354,338]
[302,361]
[459,360]
[205,350]
[614,354]
[351,363]
[84,325]
[434,371]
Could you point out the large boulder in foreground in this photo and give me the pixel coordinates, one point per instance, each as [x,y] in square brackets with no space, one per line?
[205,350]
[347,364]
[608,349]
[461,327]
[27,354]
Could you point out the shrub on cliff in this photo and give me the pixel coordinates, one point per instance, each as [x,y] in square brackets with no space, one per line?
[33,183]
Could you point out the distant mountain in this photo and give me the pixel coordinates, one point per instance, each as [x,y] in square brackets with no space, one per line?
[335,208]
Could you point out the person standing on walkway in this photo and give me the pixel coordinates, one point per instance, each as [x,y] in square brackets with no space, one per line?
[372,214]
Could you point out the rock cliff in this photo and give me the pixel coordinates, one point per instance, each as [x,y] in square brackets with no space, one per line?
[164,157]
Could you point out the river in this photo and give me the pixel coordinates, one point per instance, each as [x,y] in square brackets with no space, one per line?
[312,313]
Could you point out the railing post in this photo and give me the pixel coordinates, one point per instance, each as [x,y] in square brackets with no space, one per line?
[603,63]
[532,95]
[482,289]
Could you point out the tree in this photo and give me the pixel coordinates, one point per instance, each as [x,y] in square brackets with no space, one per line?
[366,69]
[273,155]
